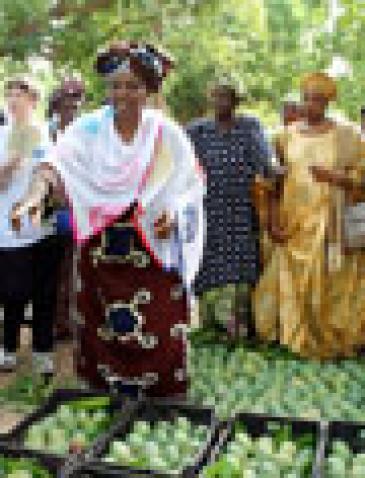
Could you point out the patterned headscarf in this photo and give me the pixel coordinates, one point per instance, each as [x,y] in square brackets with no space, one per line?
[144,60]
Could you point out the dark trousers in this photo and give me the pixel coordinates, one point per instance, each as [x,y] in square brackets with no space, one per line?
[65,290]
[30,274]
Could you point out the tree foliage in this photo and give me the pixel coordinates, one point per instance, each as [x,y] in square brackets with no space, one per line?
[264,44]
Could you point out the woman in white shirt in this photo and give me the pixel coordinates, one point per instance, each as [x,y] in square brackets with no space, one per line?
[28,259]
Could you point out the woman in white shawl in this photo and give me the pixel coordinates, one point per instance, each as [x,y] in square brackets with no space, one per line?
[136,193]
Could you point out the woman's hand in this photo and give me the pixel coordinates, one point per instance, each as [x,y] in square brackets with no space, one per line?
[333,178]
[35,214]
[163,226]
[18,212]
[281,172]
[278,234]
[16,217]
[324,175]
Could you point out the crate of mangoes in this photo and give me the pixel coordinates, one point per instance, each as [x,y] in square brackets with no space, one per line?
[344,455]
[163,439]
[69,423]
[262,446]
[26,464]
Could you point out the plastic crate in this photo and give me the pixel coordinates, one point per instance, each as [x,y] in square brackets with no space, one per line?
[258,425]
[153,411]
[120,406]
[351,433]
[52,464]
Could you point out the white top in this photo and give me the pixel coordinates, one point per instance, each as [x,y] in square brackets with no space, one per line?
[16,191]
[103,175]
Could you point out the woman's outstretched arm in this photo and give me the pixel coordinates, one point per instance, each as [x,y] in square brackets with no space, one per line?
[43,176]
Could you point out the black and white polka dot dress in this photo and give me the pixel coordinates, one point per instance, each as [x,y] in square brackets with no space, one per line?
[231,161]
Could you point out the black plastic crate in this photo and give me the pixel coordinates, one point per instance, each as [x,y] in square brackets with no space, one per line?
[351,433]
[258,425]
[52,464]
[153,411]
[120,406]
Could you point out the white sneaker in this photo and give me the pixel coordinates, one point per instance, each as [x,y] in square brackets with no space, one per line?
[43,362]
[7,360]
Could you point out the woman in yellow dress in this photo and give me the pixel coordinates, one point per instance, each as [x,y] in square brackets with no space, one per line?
[311,296]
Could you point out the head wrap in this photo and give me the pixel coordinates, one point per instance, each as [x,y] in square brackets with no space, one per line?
[144,60]
[320,82]
[70,87]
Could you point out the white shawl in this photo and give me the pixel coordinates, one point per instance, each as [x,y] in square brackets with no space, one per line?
[103,177]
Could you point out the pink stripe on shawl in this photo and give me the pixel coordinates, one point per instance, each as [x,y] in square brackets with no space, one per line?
[109,219]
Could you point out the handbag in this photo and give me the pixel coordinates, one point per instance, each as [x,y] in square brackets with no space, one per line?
[354,226]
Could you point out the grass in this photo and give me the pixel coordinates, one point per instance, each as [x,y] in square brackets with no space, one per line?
[27,392]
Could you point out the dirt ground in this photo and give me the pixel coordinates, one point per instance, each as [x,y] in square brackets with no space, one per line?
[64,369]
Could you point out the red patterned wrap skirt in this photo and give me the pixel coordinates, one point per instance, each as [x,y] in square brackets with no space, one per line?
[133,314]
